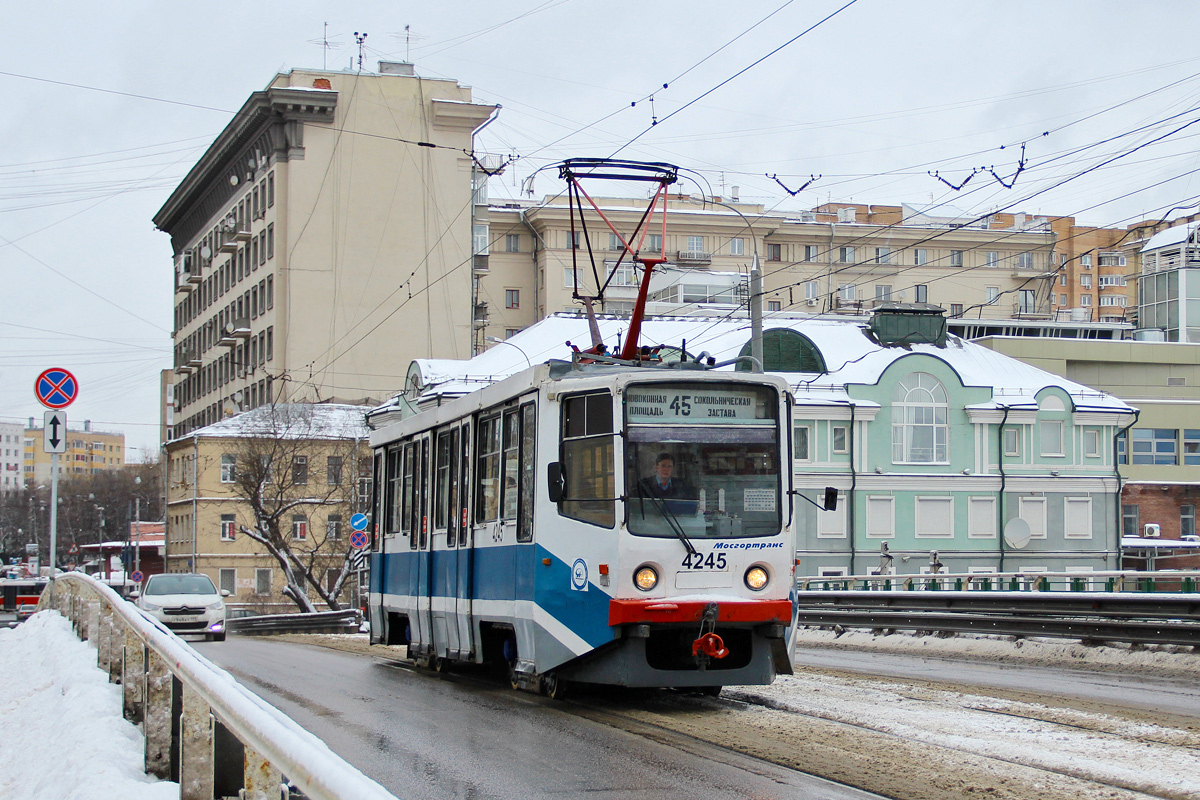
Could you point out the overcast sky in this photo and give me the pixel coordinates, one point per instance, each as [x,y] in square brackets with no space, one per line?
[108,105]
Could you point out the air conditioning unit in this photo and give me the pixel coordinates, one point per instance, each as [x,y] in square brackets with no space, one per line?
[1150,530]
[812,301]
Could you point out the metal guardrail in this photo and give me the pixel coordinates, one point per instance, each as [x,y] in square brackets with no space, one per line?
[1130,610]
[347,621]
[202,728]
[1185,581]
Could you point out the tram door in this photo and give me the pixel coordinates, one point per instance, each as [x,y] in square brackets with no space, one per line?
[465,552]
[419,540]
[443,553]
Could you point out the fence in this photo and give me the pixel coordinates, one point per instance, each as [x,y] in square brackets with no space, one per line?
[202,728]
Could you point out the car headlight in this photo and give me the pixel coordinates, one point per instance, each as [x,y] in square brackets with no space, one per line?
[146,604]
[217,605]
[646,578]
[756,578]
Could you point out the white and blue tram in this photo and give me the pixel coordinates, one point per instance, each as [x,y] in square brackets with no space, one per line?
[512,525]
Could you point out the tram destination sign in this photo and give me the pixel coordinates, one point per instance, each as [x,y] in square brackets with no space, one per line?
[693,404]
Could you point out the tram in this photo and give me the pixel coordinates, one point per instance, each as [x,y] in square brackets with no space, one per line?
[525,524]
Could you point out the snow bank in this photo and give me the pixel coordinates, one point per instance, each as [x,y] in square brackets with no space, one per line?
[1161,660]
[64,736]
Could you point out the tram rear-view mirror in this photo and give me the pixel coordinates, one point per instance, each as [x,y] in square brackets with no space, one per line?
[554,481]
[830,498]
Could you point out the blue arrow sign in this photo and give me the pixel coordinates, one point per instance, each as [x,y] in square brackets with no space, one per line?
[358,522]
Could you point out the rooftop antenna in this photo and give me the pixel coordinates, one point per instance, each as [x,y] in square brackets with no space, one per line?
[407,42]
[326,46]
[360,38]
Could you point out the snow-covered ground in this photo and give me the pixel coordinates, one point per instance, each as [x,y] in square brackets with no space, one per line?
[60,704]
[63,733]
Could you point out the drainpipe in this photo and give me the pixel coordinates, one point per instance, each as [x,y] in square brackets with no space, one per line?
[1137,412]
[1003,481]
[850,497]
[195,497]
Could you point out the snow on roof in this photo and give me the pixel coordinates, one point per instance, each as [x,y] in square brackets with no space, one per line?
[1171,236]
[293,421]
[851,357]
[1135,542]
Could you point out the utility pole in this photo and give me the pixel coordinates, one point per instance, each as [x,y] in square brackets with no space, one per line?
[756,329]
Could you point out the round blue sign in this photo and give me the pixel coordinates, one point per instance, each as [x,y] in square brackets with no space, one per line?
[136,577]
[358,522]
[579,574]
[56,388]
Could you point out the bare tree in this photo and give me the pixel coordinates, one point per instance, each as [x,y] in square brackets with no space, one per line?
[291,461]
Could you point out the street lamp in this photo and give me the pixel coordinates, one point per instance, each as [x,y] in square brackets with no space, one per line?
[497,340]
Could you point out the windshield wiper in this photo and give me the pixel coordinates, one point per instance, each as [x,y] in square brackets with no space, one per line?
[672,522]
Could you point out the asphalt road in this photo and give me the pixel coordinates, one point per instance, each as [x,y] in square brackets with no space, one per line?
[425,736]
[1124,689]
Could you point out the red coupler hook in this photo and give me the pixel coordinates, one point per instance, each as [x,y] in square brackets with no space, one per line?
[711,645]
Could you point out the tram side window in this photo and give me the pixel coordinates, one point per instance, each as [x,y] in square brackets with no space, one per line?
[487,470]
[525,510]
[464,482]
[587,460]
[420,520]
[511,439]
[406,495]
[394,493]
[441,496]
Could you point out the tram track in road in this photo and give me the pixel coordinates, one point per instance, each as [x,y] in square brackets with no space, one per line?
[786,726]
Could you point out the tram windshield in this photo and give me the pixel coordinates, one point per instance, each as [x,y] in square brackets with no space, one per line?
[707,464]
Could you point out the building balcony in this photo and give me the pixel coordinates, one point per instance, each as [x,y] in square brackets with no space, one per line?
[1031,311]
[227,242]
[480,264]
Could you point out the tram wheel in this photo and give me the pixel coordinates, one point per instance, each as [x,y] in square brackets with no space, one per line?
[513,680]
[441,665]
[554,686]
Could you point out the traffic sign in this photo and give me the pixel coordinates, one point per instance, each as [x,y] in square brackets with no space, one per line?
[359,540]
[136,577]
[54,434]
[56,388]
[358,522]
[73,549]
[357,560]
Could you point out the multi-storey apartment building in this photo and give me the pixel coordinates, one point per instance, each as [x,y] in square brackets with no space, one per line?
[322,242]
[88,452]
[840,258]
[1169,283]
[12,456]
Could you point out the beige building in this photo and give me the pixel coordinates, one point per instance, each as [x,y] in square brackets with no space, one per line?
[319,460]
[1159,456]
[838,259]
[88,452]
[322,242]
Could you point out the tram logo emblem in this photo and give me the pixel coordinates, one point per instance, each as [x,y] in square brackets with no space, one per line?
[579,575]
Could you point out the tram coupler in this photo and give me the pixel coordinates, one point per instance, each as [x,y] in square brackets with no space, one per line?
[708,645]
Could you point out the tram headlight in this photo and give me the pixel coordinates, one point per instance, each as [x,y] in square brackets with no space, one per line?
[757,578]
[646,578]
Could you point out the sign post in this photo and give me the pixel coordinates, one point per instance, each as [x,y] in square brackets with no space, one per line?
[56,388]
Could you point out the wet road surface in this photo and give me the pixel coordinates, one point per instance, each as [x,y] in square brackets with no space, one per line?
[425,736]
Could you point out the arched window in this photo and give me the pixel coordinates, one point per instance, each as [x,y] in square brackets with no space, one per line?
[919,421]
[785,350]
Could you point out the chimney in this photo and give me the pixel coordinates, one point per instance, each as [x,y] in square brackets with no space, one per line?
[87,426]
[31,422]
[397,68]
[733,193]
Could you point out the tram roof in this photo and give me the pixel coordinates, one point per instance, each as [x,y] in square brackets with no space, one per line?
[851,356]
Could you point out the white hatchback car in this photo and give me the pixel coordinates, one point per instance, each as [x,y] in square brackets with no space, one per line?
[186,603]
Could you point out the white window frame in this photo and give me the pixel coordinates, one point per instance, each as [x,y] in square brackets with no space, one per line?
[1046,442]
[846,255]
[810,290]
[883,255]
[920,256]
[228,468]
[906,412]
[807,456]
[1014,434]
[923,505]
[1091,442]
[695,244]
[993,294]
[1077,518]
[981,517]
[737,246]
[845,448]
[259,574]
[299,528]
[228,528]
[232,573]
[881,516]
[832,524]
[1033,511]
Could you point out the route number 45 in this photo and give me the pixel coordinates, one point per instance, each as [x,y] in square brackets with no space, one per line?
[681,406]
[702,561]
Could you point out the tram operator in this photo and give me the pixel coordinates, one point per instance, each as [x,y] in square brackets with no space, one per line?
[663,484]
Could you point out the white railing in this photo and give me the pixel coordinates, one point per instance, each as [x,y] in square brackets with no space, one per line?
[217,716]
